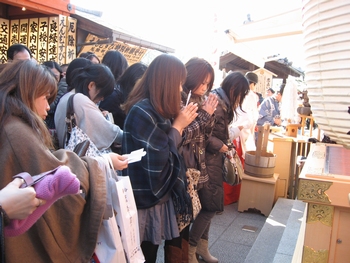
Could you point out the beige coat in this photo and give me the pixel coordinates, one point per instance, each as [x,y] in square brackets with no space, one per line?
[67,232]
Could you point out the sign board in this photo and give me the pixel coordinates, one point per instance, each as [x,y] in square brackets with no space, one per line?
[48,38]
[132,53]
[265,80]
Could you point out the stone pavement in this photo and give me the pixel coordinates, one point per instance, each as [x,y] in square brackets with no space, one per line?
[227,241]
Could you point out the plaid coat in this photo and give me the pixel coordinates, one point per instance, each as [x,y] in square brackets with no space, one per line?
[196,135]
[160,172]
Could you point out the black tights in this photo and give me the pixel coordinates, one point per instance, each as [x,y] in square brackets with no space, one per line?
[150,250]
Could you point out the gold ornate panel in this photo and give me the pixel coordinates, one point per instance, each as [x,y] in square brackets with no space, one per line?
[320,213]
[312,256]
[314,191]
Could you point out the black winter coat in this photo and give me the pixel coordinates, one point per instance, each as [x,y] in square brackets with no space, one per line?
[212,194]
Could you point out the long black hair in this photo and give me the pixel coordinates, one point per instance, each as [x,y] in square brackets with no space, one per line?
[100,74]
[116,61]
[128,79]
[236,87]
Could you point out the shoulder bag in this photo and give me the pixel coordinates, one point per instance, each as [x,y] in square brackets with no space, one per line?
[76,139]
[232,168]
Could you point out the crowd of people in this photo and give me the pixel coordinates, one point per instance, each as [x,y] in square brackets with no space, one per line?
[170,109]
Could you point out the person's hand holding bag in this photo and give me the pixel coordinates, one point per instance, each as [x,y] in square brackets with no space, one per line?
[18,203]
[50,186]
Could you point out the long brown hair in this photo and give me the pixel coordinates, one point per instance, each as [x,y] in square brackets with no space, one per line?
[161,85]
[21,82]
[198,70]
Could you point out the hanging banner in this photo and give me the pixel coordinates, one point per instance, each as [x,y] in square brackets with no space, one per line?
[14,31]
[132,53]
[52,38]
[62,35]
[43,39]
[33,36]
[71,39]
[4,39]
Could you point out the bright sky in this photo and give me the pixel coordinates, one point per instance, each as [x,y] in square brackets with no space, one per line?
[186,25]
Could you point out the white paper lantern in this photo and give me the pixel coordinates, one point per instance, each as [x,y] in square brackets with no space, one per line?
[327,59]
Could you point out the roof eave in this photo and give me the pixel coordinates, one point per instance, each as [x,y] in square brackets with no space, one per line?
[96,26]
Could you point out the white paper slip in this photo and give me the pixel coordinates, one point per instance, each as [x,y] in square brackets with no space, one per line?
[188,98]
[135,156]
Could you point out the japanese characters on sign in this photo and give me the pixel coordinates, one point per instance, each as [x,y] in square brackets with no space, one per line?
[52,38]
[48,38]
[62,35]
[71,39]
[43,39]
[265,81]
[4,39]
[33,36]
[14,31]
[132,53]
[23,31]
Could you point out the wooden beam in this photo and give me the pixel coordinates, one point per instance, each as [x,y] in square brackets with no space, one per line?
[267,36]
[281,25]
[50,7]
[94,28]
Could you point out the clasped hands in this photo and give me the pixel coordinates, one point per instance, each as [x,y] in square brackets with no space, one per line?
[209,105]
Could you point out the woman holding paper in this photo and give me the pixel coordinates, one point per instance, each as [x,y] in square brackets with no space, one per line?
[156,122]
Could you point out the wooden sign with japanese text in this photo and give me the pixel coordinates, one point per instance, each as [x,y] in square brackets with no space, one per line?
[14,31]
[23,31]
[265,81]
[62,36]
[71,39]
[43,39]
[132,53]
[4,39]
[52,38]
[33,36]
[48,38]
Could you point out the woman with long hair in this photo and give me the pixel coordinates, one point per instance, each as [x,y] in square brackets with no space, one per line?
[155,122]
[196,89]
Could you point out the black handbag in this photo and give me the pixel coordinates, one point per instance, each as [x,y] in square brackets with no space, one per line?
[82,148]
[232,170]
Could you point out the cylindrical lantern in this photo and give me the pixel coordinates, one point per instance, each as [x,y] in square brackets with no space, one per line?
[327,59]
